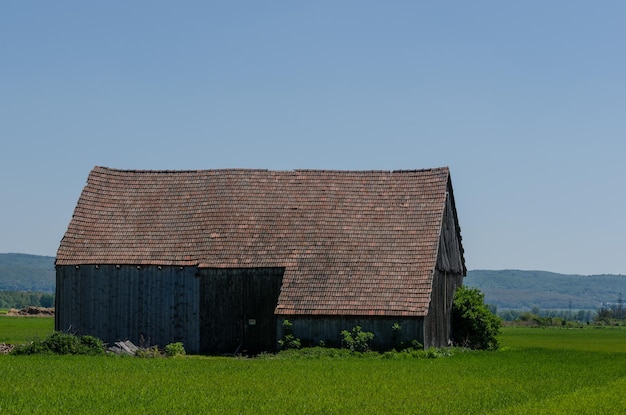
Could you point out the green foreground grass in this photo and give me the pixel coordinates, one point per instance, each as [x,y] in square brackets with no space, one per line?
[548,371]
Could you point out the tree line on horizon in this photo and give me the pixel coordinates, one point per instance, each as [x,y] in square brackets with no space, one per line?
[525,290]
[23,299]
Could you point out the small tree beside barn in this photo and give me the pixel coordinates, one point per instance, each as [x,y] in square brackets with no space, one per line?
[218,259]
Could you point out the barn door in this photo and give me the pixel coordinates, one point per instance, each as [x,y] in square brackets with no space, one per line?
[260,293]
[237,310]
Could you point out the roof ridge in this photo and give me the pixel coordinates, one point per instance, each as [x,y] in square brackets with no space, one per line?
[148,171]
[245,169]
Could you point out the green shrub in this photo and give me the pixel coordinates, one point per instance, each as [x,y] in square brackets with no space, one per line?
[473,324]
[416,345]
[175,349]
[289,341]
[398,345]
[62,343]
[357,340]
[92,344]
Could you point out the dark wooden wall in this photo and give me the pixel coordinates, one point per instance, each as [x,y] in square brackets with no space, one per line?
[450,254]
[237,309]
[156,305]
[437,324]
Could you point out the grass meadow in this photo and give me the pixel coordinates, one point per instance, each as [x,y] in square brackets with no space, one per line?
[547,371]
[16,330]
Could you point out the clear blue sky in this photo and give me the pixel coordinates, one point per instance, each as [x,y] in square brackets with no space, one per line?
[524,101]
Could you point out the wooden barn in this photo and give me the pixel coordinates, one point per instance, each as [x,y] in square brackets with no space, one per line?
[218,259]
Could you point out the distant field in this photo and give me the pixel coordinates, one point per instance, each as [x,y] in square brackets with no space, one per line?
[16,330]
[588,339]
[548,371]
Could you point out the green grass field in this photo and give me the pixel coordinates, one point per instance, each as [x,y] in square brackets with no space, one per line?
[16,330]
[547,371]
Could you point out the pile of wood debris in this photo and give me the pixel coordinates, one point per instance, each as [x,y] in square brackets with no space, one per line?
[6,348]
[124,348]
[32,311]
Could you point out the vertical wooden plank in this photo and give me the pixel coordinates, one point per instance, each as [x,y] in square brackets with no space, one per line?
[190,299]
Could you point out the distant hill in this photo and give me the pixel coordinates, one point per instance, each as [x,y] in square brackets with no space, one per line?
[23,272]
[514,289]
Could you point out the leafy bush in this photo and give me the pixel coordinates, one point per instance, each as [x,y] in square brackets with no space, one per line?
[175,349]
[92,344]
[398,345]
[62,343]
[473,324]
[357,340]
[289,341]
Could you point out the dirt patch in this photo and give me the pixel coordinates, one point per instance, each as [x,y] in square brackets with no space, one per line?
[32,311]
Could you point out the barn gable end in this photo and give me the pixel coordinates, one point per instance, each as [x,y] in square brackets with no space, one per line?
[447,276]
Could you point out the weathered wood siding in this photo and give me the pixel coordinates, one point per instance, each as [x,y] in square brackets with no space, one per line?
[437,324]
[237,309]
[313,330]
[447,276]
[156,305]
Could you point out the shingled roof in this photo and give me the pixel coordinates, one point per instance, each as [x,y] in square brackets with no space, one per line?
[351,242]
